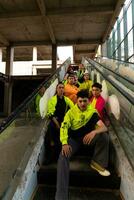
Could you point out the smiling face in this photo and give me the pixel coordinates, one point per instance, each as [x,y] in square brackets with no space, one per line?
[82,103]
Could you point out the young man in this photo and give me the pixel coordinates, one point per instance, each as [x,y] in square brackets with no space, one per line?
[70,89]
[37,100]
[87,83]
[81,120]
[97,100]
[80,73]
[58,105]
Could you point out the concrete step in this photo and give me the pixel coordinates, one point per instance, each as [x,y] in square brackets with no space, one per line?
[81,175]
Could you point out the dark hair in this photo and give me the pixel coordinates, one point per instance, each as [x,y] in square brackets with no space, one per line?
[83,94]
[70,75]
[97,85]
[59,84]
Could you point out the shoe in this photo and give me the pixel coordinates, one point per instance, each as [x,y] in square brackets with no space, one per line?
[102,171]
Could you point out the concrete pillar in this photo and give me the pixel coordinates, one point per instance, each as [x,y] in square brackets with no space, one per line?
[54,57]
[7,98]
[9,60]
[8,84]
[34,54]
[0,54]
[104,50]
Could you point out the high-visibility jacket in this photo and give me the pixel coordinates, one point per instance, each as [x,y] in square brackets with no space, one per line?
[37,101]
[75,119]
[52,105]
[86,85]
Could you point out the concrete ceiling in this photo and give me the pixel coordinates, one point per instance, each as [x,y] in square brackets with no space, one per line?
[82,23]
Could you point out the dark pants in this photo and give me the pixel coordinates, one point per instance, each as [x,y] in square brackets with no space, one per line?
[52,143]
[100,155]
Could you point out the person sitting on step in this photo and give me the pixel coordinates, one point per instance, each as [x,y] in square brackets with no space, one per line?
[97,101]
[81,126]
[58,105]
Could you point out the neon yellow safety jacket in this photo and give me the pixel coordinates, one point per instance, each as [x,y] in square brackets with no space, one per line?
[37,101]
[52,104]
[75,119]
[86,85]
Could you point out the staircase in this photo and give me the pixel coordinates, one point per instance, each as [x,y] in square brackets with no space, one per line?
[85,183]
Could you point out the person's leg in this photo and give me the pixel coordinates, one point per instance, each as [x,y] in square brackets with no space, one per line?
[47,142]
[63,173]
[101,149]
[55,134]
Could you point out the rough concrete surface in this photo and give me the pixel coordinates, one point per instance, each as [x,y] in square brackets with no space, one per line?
[13,144]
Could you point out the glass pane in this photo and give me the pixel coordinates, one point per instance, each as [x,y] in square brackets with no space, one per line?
[127,3]
[122,51]
[131,60]
[130,43]
[122,29]
[129,18]
[115,39]
[121,14]
[115,26]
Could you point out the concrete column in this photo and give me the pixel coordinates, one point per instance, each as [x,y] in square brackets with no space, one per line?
[54,57]
[34,54]
[8,84]
[0,54]
[9,60]
[104,49]
[7,98]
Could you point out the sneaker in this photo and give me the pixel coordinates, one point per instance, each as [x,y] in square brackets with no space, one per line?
[102,171]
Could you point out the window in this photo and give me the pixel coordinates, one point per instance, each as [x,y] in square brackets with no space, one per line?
[130,43]
[122,51]
[122,29]
[129,18]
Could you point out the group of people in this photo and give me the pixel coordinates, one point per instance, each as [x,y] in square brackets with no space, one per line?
[76,118]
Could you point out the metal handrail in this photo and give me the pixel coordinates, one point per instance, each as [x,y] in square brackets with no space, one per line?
[22,106]
[126,79]
[127,95]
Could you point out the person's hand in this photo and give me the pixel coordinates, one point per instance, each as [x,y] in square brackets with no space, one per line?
[88,137]
[56,122]
[66,150]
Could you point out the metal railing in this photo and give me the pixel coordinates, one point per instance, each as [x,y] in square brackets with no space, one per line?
[19,134]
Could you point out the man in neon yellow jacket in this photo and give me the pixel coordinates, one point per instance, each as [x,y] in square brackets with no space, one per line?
[58,105]
[37,100]
[81,126]
[87,83]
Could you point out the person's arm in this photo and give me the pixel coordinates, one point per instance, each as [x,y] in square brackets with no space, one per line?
[51,107]
[56,122]
[101,128]
[69,102]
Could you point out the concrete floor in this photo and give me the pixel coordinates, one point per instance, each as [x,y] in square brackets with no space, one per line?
[14,142]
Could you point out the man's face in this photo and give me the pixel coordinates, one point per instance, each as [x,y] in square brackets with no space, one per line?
[86,76]
[60,90]
[96,91]
[82,103]
[71,80]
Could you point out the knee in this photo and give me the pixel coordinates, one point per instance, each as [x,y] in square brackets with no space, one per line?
[104,137]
